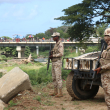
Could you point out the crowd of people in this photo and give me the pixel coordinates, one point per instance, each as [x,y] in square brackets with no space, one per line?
[4,39]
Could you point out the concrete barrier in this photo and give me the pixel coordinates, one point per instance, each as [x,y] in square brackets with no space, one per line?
[2,105]
[12,83]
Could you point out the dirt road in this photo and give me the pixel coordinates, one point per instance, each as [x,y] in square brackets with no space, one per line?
[66,103]
[40,100]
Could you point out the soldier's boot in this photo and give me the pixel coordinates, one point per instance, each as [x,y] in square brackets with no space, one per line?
[54,93]
[60,94]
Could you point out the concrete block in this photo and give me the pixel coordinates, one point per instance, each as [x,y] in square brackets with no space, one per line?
[2,105]
[12,83]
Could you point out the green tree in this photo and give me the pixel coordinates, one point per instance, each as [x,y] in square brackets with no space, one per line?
[82,15]
[6,37]
[62,30]
[40,35]
[63,34]
[27,51]
[8,50]
[35,36]
[100,30]
[49,32]
[14,52]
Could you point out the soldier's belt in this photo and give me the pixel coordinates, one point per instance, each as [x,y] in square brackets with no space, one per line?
[104,71]
[54,59]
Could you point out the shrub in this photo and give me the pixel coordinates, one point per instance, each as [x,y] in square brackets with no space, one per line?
[92,48]
[0,74]
[65,73]
[32,76]
[43,76]
[11,103]
[38,98]
[34,56]
[39,76]
[27,51]
[3,57]
[14,52]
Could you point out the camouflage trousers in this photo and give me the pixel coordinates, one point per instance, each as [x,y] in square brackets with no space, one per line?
[56,74]
[105,79]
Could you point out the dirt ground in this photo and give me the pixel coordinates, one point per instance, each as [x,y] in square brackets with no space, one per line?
[40,100]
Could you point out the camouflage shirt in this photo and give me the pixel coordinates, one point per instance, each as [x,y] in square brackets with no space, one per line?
[105,58]
[58,49]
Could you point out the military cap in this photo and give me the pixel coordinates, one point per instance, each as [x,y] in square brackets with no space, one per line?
[107,32]
[55,34]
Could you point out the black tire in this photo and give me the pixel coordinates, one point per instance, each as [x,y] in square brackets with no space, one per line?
[74,88]
[69,82]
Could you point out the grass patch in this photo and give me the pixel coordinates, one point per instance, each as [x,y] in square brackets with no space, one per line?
[78,108]
[44,53]
[37,72]
[75,103]
[71,55]
[48,103]
[11,104]
[1,74]
[40,108]
[34,108]
[45,95]
[92,49]
[38,98]
[70,52]
[63,108]
[43,76]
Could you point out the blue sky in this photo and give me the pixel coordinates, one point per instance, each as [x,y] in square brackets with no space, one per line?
[31,16]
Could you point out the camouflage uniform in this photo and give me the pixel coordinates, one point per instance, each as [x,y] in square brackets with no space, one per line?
[105,74]
[57,64]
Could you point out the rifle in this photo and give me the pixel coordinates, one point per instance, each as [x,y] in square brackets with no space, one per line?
[49,58]
[97,65]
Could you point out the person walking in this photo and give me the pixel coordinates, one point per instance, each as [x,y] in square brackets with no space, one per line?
[56,58]
[104,68]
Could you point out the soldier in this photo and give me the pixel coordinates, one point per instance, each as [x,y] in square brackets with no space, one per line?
[104,68]
[56,58]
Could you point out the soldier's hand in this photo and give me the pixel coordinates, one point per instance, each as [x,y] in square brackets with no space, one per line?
[98,70]
[51,56]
